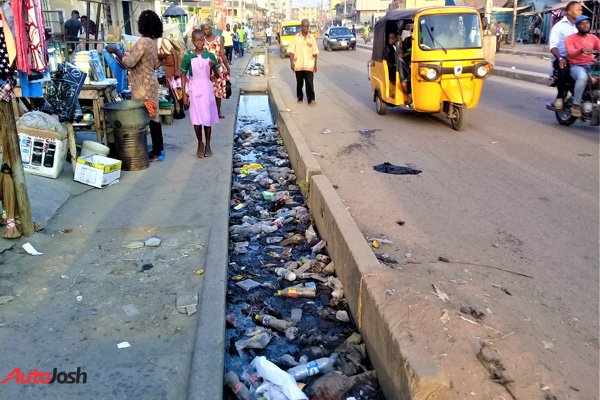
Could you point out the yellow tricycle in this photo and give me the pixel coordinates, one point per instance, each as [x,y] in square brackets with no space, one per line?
[429,60]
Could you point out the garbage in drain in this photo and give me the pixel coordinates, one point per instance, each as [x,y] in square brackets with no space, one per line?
[296,319]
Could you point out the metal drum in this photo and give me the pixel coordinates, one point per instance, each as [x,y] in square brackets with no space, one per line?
[129,120]
[132,148]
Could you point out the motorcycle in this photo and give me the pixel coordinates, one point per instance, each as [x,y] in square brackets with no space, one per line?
[590,101]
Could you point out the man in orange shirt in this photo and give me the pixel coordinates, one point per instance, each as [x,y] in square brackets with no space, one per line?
[580,47]
[303,61]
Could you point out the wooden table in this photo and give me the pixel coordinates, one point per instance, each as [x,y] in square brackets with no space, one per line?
[98,94]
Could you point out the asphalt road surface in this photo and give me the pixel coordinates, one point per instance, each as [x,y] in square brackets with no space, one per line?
[515,191]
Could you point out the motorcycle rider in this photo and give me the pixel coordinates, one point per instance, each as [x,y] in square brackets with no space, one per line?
[580,47]
[562,29]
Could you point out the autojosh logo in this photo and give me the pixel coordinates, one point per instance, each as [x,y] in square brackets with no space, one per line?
[36,377]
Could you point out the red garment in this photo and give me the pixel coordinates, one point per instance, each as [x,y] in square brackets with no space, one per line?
[576,42]
[30,35]
[21,37]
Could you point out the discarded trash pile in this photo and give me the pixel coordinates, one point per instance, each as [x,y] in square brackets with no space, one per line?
[289,334]
[256,66]
[255,69]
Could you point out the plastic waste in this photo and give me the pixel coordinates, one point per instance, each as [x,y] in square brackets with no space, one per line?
[296,292]
[259,341]
[276,376]
[318,247]
[272,322]
[316,367]
[287,274]
[311,235]
[238,388]
[335,385]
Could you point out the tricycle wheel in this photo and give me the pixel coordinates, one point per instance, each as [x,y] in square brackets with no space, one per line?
[380,105]
[564,117]
[458,117]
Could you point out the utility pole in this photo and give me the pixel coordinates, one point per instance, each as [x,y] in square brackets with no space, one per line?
[489,5]
[514,29]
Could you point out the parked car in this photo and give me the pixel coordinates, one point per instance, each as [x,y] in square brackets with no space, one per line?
[339,37]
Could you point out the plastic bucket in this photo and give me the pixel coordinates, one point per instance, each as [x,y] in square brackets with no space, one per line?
[89,148]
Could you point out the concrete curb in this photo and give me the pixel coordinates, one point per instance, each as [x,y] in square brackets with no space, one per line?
[403,371]
[302,160]
[528,76]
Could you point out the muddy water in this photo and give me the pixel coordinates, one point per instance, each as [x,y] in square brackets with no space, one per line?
[254,255]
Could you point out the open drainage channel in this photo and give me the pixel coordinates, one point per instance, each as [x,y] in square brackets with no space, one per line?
[289,335]
[256,65]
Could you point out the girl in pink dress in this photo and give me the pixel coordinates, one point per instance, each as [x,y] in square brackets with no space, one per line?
[196,67]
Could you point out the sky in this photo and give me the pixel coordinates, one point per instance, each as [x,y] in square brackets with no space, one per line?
[310,3]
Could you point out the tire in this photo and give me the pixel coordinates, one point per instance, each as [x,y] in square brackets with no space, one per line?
[380,105]
[564,117]
[459,120]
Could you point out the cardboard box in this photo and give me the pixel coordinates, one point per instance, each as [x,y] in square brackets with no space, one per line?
[42,152]
[97,171]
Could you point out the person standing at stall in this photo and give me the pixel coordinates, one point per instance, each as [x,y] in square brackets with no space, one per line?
[142,61]
[303,51]
[214,44]
[73,28]
[196,67]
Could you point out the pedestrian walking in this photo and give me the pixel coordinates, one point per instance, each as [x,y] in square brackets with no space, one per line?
[236,42]
[196,67]
[228,43]
[249,37]
[241,34]
[142,61]
[269,34]
[366,33]
[214,44]
[303,51]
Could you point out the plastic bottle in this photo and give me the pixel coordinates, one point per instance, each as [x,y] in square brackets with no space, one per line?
[285,273]
[238,388]
[318,366]
[272,322]
[295,292]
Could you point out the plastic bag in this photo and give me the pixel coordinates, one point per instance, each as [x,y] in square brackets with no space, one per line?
[227,89]
[275,375]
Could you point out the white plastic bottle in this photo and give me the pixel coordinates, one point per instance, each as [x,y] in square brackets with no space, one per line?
[318,366]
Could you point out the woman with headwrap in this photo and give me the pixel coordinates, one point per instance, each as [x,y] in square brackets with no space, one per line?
[142,61]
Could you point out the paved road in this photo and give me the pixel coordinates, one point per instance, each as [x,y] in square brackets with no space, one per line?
[515,191]
[525,63]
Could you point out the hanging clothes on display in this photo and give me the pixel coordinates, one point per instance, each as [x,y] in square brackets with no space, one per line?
[37,35]
[29,35]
